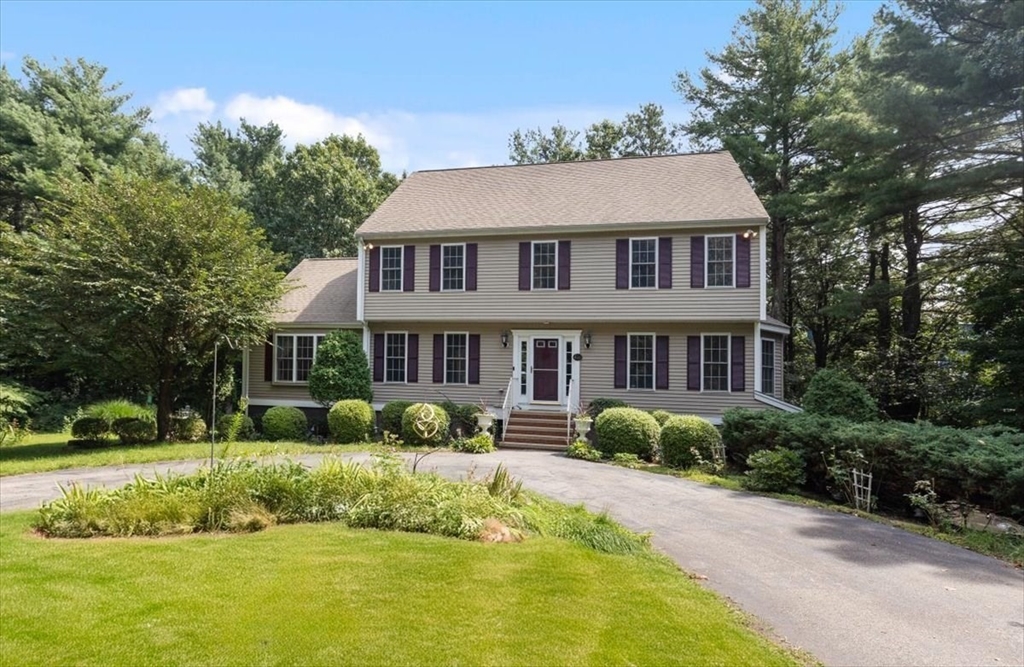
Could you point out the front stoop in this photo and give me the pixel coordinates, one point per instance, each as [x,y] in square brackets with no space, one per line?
[536,430]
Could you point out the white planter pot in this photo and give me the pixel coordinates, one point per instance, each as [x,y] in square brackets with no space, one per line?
[484,420]
[583,427]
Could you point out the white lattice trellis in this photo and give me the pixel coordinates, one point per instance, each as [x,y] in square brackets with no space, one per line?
[861,489]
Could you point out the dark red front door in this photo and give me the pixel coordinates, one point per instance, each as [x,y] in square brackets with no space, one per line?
[545,369]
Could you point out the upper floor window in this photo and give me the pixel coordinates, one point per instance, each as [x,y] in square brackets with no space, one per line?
[456,358]
[545,269]
[767,366]
[391,268]
[294,355]
[715,363]
[641,361]
[453,267]
[394,357]
[720,260]
[643,263]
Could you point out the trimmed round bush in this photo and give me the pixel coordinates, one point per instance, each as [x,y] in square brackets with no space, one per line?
[835,394]
[188,428]
[681,435]
[776,470]
[134,431]
[284,422]
[391,416]
[246,430]
[351,421]
[627,431]
[90,428]
[437,431]
[599,405]
[661,416]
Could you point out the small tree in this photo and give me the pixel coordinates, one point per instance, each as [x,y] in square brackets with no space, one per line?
[835,394]
[340,370]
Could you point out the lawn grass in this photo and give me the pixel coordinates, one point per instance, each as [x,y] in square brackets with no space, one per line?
[324,594]
[43,452]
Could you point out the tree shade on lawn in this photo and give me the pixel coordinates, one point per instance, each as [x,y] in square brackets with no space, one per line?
[324,594]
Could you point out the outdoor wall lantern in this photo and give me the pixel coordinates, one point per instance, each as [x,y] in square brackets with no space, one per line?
[586,339]
[504,339]
[750,234]
[368,246]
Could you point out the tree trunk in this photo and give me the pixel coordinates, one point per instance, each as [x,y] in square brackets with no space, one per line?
[909,363]
[776,270]
[164,403]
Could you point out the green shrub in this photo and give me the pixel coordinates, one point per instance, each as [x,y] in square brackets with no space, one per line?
[91,428]
[481,443]
[581,449]
[627,430]
[835,394]
[351,421]
[187,427]
[437,425]
[134,431]
[111,411]
[463,417]
[284,422]
[340,371]
[15,403]
[661,416]
[626,460]
[391,416]
[778,470]
[686,439]
[599,405]
[241,423]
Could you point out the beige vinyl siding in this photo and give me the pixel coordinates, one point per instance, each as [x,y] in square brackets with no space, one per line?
[592,297]
[596,375]
[260,389]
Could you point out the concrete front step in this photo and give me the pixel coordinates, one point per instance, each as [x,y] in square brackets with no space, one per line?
[554,441]
[505,444]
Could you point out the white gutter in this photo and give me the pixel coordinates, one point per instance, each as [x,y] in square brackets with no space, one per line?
[776,403]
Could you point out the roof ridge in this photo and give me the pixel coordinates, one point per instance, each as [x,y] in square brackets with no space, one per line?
[572,162]
[324,259]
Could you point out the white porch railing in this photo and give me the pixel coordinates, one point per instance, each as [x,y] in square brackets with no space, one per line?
[506,405]
[570,409]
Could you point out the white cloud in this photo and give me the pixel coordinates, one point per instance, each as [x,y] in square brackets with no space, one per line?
[6,55]
[191,101]
[301,123]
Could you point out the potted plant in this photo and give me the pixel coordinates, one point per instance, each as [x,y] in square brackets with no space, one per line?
[484,418]
[583,422]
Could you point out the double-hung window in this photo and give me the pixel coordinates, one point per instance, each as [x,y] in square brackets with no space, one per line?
[721,260]
[453,267]
[767,366]
[456,358]
[391,268]
[545,267]
[394,357]
[643,263]
[715,373]
[641,361]
[294,355]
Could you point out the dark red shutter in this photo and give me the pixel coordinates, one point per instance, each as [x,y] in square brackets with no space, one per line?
[622,264]
[697,261]
[378,357]
[693,363]
[409,269]
[738,364]
[742,261]
[665,262]
[412,356]
[375,269]
[268,359]
[474,359]
[525,248]
[661,362]
[620,362]
[564,260]
[470,267]
[435,268]
[438,358]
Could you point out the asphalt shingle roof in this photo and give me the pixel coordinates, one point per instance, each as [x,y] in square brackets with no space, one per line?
[325,292]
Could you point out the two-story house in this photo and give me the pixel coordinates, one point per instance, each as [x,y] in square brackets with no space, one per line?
[538,288]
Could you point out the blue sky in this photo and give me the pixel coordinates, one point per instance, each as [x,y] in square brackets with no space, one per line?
[430,84]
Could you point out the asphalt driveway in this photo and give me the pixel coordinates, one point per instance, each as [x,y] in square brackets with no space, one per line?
[848,590]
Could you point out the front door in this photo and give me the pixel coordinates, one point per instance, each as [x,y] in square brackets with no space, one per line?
[545,369]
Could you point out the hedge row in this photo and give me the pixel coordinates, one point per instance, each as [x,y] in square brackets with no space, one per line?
[982,465]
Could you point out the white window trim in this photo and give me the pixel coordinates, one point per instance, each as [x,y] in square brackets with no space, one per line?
[533,287]
[774,358]
[295,359]
[707,262]
[657,253]
[728,364]
[654,359]
[401,269]
[452,245]
[455,333]
[405,360]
